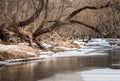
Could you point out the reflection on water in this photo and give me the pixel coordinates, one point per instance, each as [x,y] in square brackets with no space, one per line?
[36,71]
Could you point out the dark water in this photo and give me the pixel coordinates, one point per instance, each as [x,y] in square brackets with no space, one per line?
[36,71]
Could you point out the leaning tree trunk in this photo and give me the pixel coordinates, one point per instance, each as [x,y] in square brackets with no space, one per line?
[16,27]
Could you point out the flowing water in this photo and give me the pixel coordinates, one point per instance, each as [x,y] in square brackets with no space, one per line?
[59,69]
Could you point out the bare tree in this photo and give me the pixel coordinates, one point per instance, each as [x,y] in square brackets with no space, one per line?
[49,15]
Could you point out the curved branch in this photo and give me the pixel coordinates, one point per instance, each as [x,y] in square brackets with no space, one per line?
[46,30]
[84,24]
[43,22]
[67,20]
[33,17]
[90,7]
[94,28]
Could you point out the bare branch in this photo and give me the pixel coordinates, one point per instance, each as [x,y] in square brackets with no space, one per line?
[33,17]
[90,7]
[94,28]
[67,20]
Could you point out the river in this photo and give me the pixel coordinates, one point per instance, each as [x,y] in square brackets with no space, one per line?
[61,68]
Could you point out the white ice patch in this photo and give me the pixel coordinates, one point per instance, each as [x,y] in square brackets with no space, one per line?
[99,42]
[46,53]
[79,42]
[115,65]
[30,53]
[24,43]
[46,45]
[77,53]
[84,51]
[101,75]
[66,48]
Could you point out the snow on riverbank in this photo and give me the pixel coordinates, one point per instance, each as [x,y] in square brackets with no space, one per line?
[84,51]
[101,75]
[22,52]
[104,42]
[92,48]
[98,42]
[90,52]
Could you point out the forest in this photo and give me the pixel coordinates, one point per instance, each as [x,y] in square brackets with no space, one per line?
[57,21]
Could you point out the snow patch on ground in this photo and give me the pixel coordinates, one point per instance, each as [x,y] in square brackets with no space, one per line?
[84,51]
[47,53]
[98,42]
[79,43]
[77,53]
[46,45]
[66,48]
[7,47]
[101,75]
[30,53]
[24,43]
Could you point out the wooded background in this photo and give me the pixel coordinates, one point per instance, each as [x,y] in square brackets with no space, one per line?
[28,20]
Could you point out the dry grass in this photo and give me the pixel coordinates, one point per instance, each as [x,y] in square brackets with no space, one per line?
[17,52]
[55,40]
[6,55]
[23,51]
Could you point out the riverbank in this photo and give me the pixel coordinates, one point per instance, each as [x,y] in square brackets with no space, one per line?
[22,52]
